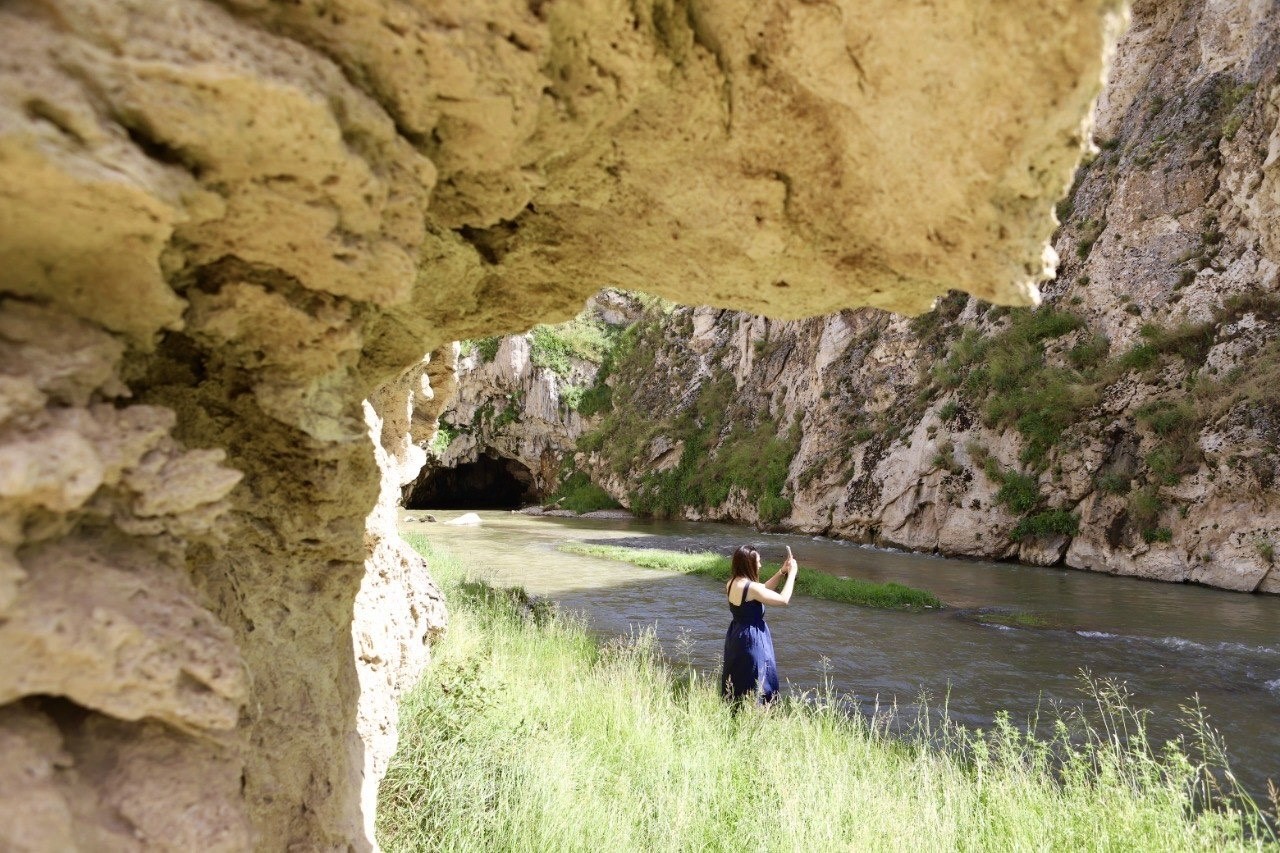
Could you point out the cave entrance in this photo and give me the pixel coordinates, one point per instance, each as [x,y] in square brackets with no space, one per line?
[491,482]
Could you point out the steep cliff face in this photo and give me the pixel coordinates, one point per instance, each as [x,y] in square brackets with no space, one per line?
[224,225]
[1130,425]
[523,400]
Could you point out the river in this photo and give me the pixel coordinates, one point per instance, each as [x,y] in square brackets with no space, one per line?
[1165,642]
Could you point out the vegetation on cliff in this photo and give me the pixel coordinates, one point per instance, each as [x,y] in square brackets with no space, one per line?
[578,493]
[721,445]
[528,734]
[1010,378]
[812,584]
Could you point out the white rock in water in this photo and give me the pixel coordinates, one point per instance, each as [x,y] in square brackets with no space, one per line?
[465,518]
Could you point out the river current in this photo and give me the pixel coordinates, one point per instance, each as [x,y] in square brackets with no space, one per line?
[1166,642]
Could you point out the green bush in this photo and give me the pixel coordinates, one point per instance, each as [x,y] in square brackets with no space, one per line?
[1018,492]
[1141,357]
[579,494]
[1054,522]
[583,338]
[595,399]
[1165,417]
[1007,371]
[445,434]
[571,397]
[1164,462]
[1089,352]
[773,508]
[1115,483]
[1145,507]
[1090,231]
[511,413]
[486,348]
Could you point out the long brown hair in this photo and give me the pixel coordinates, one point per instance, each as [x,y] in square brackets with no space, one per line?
[745,565]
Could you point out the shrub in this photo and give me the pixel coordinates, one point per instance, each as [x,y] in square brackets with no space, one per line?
[1089,352]
[486,348]
[510,414]
[1054,522]
[949,410]
[578,493]
[571,396]
[1145,507]
[945,458]
[1166,418]
[1090,231]
[445,434]
[598,398]
[583,338]
[1018,492]
[1114,483]
[1141,357]
[1008,372]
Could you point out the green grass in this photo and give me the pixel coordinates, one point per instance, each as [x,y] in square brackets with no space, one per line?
[811,584]
[583,338]
[1017,619]
[1053,522]
[525,734]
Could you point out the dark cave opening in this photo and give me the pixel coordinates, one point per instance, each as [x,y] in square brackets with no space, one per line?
[490,482]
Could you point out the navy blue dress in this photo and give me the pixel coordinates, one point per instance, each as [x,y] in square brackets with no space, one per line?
[749,664]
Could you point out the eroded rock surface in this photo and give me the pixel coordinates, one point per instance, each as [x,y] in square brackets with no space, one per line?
[225,225]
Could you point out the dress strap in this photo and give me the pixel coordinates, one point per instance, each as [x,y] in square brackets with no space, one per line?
[746,587]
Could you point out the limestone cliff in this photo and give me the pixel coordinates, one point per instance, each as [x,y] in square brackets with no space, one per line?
[225,225]
[520,400]
[1129,426]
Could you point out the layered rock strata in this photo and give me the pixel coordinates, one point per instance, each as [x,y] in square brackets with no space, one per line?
[224,225]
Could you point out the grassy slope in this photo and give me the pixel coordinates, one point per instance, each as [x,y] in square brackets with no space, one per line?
[526,735]
[812,584]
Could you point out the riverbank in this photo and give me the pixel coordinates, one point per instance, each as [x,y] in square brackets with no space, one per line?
[527,734]
[718,567]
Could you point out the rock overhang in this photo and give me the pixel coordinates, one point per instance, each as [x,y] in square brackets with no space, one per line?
[270,211]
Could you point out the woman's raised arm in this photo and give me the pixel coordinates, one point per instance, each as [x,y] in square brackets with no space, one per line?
[764,592]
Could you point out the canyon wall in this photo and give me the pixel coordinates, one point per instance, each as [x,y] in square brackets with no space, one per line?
[226,225]
[1130,425]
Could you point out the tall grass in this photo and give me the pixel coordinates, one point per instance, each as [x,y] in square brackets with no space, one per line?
[812,584]
[527,735]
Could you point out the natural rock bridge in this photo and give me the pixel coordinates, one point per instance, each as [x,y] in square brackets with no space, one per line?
[224,225]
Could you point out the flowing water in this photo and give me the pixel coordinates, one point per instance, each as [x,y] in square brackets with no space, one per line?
[1166,642]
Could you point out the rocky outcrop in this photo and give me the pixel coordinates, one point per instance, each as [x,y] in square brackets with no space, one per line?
[224,225]
[1129,427]
[509,406]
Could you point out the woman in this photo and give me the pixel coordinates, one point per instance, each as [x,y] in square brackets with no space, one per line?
[749,664]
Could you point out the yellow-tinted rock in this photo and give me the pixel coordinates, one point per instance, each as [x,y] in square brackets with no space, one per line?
[253,215]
